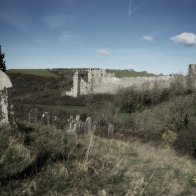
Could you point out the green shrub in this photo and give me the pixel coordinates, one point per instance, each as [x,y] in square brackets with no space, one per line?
[182,113]
[106,113]
[169,137]
[130,100]
[15,159]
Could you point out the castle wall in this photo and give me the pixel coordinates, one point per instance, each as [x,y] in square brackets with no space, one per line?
[100,82]
[75,91]
[112,84]
[192,76]
[76,84]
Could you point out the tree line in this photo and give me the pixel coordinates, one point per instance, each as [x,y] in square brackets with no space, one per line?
[2,61]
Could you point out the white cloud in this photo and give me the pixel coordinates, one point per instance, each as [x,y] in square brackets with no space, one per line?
[103,52]
[148,38]
[185,38]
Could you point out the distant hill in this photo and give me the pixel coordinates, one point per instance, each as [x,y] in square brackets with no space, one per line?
[129,73]
[56,80]
[36,72]
[56,72]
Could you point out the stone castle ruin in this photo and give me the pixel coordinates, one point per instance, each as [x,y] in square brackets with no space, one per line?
[5,84]
[98,81]
[192,76]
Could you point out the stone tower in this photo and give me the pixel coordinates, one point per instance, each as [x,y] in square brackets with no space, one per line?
[76,84]
[192,76]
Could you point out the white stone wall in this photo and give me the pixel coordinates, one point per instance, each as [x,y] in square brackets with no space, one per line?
[192,76]
[76,84]
[5,84]
[100,82]
[112,84]
[3,107]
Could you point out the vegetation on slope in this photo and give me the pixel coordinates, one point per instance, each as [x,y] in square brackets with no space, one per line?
[146,114]
[61,71]
[35,72]
[38,160]
[129,73]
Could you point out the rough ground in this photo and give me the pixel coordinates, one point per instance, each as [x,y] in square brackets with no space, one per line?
[46,161]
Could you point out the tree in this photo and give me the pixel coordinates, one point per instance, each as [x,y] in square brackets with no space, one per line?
[2,62]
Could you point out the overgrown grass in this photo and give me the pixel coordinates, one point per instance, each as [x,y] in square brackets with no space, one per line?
[38,160]
[44,160]
[146,114]
[177,115]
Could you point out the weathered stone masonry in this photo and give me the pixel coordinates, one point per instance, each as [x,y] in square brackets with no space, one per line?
[101,82]
[5,83]
[192,76]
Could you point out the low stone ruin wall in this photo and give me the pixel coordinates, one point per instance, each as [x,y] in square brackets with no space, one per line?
[111,85]
[100,82]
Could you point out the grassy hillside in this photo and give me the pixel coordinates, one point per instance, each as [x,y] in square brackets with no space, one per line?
[36,72]
[56,72]
[44,161]
[152,151]
[129,73]
[41,82]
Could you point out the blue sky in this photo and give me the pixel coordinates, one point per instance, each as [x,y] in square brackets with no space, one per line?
[158,36]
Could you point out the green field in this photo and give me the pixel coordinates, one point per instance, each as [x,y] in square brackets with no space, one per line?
[52,73]
[36,72]
[129,73]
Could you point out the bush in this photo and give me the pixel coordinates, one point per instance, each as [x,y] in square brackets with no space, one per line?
[130,100]
[186,142]
[182,113]
[106,113]
[15,159]
[169,137]
[181,117]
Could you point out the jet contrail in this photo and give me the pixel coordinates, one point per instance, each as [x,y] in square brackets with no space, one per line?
[132,9]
